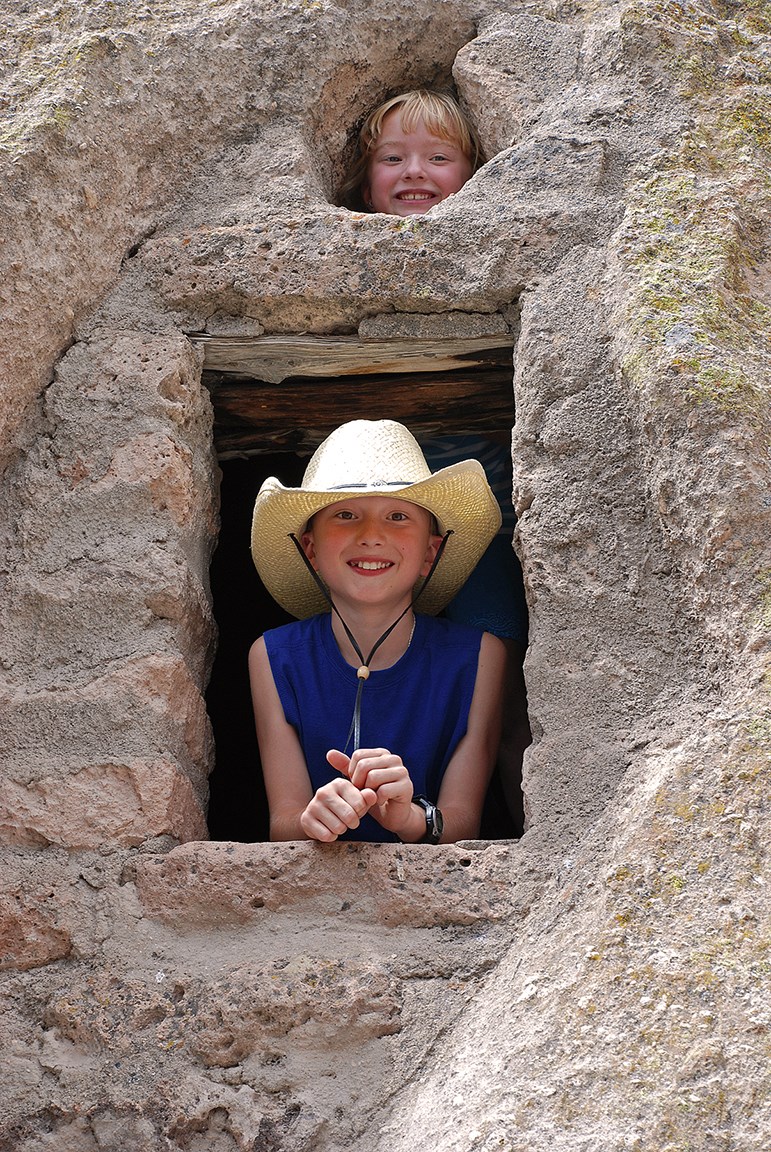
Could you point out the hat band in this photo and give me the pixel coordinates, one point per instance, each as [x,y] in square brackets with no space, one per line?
[372,484]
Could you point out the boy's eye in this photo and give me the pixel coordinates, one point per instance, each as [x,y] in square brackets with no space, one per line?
[399,516]
[344,514]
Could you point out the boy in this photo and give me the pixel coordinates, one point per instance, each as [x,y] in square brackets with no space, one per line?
[370,531]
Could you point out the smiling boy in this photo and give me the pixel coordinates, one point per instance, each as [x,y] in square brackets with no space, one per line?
[369,531]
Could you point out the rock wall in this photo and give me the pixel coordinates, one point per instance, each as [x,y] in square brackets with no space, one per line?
[598,984]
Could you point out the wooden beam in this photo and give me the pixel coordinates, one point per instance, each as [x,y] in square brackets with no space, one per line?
[277,358]
[296,415]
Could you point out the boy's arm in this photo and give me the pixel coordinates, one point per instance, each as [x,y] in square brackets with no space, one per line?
[463,790]
[464,786]
[287,783]
[296,813]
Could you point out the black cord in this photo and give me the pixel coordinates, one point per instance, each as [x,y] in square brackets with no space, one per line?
[355,727]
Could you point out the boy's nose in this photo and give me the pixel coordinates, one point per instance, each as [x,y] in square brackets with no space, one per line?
[370,532]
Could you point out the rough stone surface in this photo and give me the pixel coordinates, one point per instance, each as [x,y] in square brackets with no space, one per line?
[601,985]
[446,325]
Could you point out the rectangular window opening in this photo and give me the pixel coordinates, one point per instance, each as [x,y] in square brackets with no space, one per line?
[275,399]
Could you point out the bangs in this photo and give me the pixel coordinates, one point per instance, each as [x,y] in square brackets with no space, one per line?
[437,111]
[438,117]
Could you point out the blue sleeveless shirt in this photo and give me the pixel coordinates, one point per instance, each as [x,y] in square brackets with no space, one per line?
[418,709]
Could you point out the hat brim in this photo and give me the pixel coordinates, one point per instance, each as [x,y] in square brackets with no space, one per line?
[458,496]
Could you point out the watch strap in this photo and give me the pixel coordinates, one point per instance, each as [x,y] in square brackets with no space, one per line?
[434,821]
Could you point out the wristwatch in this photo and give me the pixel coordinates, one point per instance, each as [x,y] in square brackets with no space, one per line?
[434,821]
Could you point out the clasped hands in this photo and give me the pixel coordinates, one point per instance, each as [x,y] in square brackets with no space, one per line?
[372,779]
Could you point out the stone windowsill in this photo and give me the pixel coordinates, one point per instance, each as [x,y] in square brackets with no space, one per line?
[202,885]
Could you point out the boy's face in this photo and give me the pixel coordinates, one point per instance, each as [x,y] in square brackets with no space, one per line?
[371,549]
[409,172]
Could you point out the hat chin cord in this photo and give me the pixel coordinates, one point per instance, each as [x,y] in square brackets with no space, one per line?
[363,671]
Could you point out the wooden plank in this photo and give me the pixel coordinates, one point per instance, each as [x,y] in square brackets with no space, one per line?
[277,358]
[260,417]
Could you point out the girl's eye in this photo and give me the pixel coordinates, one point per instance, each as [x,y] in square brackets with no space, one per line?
[440,156]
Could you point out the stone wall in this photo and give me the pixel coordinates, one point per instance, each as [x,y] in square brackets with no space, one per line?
[598,984]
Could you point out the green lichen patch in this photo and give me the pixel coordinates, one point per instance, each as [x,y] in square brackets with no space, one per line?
[687,948]
[755,15]
[764,601]
[53,93]
[693,313]
[693,239]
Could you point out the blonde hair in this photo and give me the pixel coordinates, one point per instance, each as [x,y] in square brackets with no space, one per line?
[438,111]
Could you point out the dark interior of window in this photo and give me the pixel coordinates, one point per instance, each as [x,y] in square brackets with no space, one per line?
[243,610]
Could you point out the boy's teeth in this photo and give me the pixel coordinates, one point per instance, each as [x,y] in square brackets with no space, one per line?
[372,565]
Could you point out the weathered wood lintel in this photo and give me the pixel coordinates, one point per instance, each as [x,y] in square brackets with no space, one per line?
[277,358]
[259,417]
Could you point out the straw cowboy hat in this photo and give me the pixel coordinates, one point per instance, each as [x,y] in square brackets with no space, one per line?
[372,458]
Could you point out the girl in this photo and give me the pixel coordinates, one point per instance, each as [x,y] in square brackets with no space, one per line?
[415,150]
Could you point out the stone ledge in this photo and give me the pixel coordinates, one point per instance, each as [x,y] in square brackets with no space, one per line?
[213,885]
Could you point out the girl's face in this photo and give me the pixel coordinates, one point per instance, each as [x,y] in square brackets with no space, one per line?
[409,172]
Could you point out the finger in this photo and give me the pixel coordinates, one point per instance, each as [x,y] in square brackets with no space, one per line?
[371,762]
[339,761]
[341,798]
[315,830]
[370,797]
[394,793]
[331,818]
[368,753]
[379,778]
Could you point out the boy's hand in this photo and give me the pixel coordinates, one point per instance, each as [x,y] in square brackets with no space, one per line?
[380,771]
[334,809]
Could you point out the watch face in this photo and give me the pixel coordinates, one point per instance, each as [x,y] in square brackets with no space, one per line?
[438,822]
